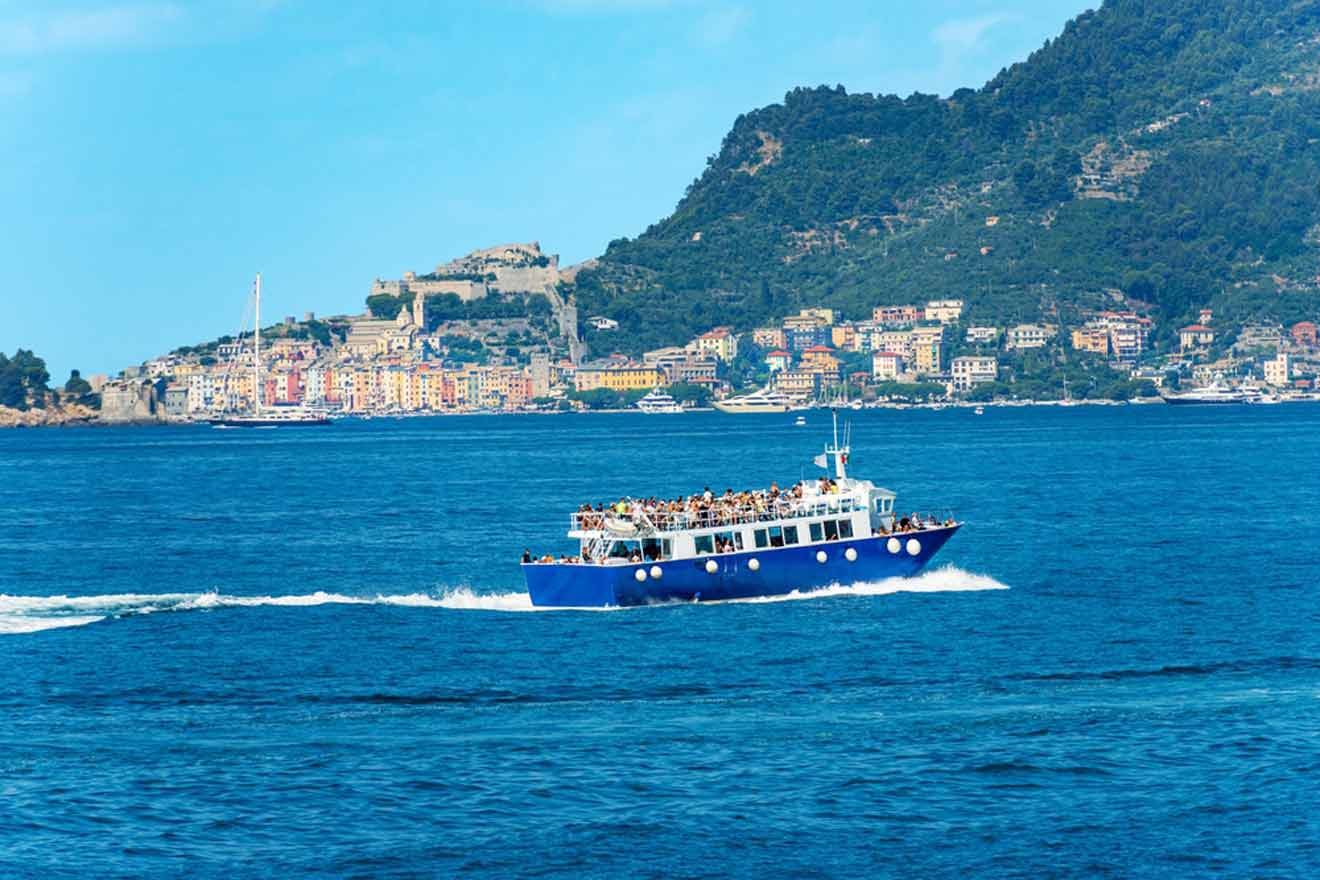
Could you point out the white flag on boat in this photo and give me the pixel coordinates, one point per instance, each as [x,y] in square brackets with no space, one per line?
[821,461]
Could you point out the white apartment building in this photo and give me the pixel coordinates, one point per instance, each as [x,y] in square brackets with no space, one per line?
[946,311]
[972,370]
[1278,370]
[1028,336]
[887,366]
[202,391]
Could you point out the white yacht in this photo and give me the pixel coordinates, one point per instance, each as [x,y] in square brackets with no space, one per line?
[762,401]
[1217,392]
[658,402]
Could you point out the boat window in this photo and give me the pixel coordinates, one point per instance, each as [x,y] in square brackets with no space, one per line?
[624,549]
[734,539]
[790,535]
[653,549]
[831,530]
[762,540]
[776,536]
[845,528]
[815,531]
[704,543]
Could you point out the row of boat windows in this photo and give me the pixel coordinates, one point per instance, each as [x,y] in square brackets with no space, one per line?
[653,549]
[774,536]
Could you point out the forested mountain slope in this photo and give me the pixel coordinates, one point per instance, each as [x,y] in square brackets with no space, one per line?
[1161,150]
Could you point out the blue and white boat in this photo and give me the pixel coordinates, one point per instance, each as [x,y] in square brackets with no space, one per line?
[832,531]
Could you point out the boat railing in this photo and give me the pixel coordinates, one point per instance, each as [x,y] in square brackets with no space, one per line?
[640,521]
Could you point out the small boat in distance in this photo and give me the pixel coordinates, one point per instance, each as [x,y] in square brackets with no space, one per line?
[833,530]
[658,401]
[257,417]
[979,411]
[762,401]
[800,422]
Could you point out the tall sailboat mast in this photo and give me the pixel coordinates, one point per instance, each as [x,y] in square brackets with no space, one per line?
[256,350]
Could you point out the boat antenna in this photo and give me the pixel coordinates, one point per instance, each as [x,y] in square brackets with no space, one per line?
[837,452]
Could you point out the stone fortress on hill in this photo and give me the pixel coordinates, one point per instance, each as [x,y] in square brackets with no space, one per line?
[507,268]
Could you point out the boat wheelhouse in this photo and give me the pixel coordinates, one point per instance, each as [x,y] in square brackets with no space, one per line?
[838,530]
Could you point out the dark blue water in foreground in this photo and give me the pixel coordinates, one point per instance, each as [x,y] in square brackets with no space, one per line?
[1115,674]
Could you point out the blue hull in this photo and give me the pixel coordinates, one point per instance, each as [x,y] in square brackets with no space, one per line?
[779,571]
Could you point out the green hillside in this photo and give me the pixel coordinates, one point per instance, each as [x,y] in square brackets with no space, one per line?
[1164,151]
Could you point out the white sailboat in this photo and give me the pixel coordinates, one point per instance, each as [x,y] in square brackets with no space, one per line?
[290,416]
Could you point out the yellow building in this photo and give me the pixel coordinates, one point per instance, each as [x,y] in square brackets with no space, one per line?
[820,359]
[720,343]
[844,336]
[619,377]
[927,349]
[632,378]
[1092,339]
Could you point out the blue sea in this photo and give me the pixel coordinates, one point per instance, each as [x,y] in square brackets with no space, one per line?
[308,653]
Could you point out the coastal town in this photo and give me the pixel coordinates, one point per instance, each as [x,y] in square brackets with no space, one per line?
[497,331]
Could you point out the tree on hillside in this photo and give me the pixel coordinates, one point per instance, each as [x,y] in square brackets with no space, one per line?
[79,390]
[22,378]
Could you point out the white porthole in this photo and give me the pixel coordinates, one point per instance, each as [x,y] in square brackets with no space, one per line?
[893,545]
[820,556]
[712,566]
[657,572]
[913,546]
[754,564]
[850,554]
[640,574]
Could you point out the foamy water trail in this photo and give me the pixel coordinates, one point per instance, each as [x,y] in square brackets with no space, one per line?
[948,579]
[29,614]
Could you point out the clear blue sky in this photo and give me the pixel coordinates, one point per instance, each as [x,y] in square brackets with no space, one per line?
[154,154]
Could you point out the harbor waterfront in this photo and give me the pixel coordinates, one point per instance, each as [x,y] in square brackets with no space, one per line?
[310,653]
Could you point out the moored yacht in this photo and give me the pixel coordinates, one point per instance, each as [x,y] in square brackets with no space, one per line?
[818,533]
[1215,393]
[765,400]
[658,401]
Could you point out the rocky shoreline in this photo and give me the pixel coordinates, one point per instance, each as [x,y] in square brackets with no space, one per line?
[48,417]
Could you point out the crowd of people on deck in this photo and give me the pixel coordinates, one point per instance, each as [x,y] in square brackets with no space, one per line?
[913,523]
[701,510]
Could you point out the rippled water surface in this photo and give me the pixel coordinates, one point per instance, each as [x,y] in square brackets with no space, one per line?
[307,653]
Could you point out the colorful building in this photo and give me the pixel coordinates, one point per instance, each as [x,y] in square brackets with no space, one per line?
[779,360]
